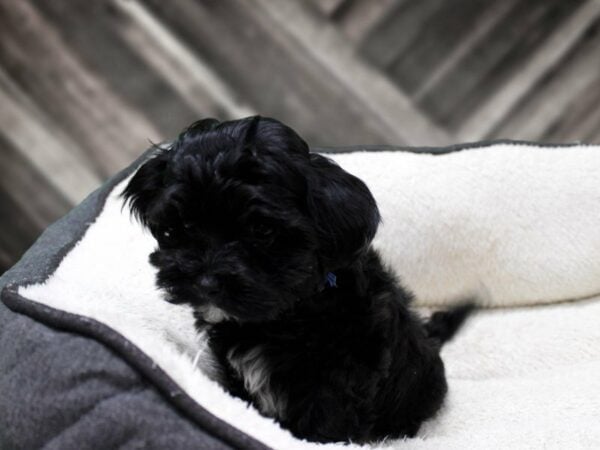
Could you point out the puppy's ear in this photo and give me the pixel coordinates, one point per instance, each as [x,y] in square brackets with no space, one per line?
[194,131]
[343,209]
[145,187]
[269,135]
[245,132]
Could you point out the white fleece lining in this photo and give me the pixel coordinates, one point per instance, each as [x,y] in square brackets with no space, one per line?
[519,222]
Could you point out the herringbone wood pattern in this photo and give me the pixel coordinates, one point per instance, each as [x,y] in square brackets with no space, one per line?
[85,85]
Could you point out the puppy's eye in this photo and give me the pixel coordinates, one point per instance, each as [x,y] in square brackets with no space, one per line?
[166,236]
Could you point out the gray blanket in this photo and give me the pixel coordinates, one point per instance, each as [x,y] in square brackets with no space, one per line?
[68,383]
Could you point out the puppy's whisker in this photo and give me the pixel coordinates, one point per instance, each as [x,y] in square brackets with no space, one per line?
[197,358]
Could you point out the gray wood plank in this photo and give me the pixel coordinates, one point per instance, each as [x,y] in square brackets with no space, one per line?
[39,201]
[18,233]
[579,119]
[43,145]
[43,65]
[27,204]
[397,30]
[559,40]
[276,74]
[330,7]
[496,59]
[84,85]
[440,34]
[360,16]
[195,82]
[372,92]
[556,107]
[113,42]
[477,30]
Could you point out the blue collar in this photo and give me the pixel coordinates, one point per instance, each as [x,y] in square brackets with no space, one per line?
[330,280]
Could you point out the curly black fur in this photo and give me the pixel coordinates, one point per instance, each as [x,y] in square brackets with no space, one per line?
[249,226]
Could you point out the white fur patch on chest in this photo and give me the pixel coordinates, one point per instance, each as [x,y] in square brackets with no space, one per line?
[253,369]
[212,314]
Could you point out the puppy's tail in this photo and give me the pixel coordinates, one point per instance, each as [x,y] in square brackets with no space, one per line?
[443,325]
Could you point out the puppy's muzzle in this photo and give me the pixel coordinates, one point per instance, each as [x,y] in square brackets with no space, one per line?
[207,285]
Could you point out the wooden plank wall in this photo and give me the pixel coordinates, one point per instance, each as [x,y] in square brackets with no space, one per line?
[84,86]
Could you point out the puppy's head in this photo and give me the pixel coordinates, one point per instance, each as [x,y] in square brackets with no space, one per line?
[248,222]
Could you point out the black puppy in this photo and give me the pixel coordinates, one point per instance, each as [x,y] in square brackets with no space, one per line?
[271,246]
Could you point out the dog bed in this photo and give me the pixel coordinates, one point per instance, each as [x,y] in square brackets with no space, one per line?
[91,356]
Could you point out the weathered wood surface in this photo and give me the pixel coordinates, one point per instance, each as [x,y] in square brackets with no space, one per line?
[84,86]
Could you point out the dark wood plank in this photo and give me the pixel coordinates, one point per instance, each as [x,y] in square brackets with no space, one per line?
[544,60]
[359,17]
[28,203]
[84,85]
[330,7]
[397,30]
[42,141]
[97,33]
[273,73]
[196,83]
[577,117]
[495,59]
[41,203]
[18,233]
[555,107]
[440,34]
[373,93]
[43,65]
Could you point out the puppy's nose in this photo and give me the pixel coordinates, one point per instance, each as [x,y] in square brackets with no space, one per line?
[208,284]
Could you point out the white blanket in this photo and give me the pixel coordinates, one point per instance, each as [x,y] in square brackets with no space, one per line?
[520,224]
